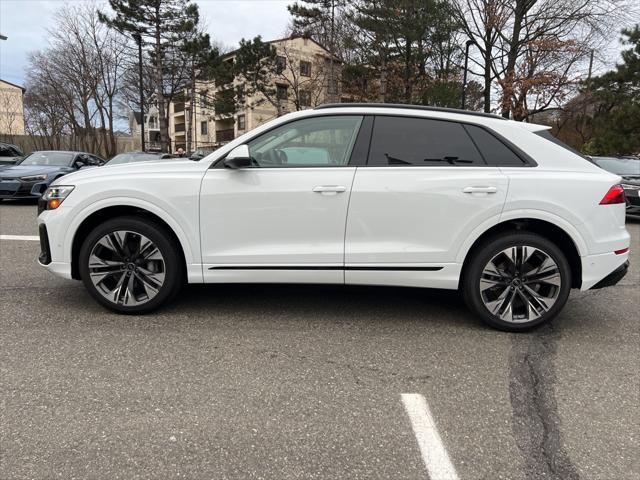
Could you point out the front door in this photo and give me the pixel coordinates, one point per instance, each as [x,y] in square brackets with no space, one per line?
[283,219]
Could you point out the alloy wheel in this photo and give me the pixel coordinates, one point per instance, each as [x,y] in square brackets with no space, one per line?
[520,284]
[127,268]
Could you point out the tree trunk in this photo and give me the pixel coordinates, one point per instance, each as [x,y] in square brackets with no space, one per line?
[487,78]
[512,55]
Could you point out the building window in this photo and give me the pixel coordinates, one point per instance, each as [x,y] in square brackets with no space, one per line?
[242,122]
[281,63]
[282,93]
[305,98]
[204,128]
[305,69]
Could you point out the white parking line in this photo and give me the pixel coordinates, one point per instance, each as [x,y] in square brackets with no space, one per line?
[434,455]
[29,238]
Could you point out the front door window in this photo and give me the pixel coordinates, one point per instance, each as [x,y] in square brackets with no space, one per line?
[311,142]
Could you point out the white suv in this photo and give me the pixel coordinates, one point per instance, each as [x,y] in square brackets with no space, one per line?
[350,194]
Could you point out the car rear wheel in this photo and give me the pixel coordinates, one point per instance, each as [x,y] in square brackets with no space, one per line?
[517,281]
[131,265]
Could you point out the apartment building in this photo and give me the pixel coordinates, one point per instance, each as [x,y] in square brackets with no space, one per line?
[151,127]
[11,108]
[307,76]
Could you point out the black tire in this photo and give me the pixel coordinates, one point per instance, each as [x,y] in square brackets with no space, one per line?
[173,267]
[490,250]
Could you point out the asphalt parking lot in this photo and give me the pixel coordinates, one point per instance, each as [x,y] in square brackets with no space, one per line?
[287,382]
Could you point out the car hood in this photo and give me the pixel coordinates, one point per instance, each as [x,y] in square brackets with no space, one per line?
[17,171]
[141,169]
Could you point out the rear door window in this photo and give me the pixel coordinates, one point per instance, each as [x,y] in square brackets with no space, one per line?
[407,141]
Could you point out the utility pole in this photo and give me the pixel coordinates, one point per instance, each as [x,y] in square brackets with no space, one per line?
[332,47]
[590,65]
[138,38]
[464,75]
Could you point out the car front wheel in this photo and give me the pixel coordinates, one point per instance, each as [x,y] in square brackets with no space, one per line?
[130,265]
[517,281]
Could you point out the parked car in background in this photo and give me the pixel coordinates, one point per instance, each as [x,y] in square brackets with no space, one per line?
[134,157]
[629,169]
[31,177]
[350,194]
[200,153]
[10,154]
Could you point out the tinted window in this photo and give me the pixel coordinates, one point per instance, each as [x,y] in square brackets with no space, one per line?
[421,142]
[546,134]
[310,142]
[493,150]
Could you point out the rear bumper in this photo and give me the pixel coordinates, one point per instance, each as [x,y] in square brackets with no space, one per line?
[614,277]
[596,268]
[633,201]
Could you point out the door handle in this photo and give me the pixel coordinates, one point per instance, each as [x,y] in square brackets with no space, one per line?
[329,189]
[480,190]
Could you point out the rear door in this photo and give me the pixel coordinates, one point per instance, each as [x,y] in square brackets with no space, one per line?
[425,188]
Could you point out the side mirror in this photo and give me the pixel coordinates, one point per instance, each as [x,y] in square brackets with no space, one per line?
[79,164]
[239,157]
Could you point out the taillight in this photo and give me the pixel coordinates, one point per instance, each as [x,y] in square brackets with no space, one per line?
[613,196]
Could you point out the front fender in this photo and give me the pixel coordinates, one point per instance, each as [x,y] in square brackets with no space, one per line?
[189,244]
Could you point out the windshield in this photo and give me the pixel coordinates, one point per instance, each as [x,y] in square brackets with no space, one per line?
[58,159]
[132,157]
[619,166]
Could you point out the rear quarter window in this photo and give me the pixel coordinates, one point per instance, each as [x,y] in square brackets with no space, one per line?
[495,153]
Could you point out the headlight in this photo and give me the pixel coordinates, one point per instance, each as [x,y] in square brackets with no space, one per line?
[33,178]
[55,195]
[626,186]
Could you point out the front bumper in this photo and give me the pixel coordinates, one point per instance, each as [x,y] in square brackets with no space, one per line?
[614,277]
[18,189]
[45,250]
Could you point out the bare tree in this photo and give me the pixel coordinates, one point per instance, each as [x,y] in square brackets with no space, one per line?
[483,21]
[77,78]
[534,49]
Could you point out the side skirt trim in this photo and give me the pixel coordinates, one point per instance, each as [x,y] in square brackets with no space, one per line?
[310,267]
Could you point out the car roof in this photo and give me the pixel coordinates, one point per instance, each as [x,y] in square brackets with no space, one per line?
[403,106]
[436,113]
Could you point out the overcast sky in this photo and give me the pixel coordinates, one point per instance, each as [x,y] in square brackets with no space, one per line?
[25,22]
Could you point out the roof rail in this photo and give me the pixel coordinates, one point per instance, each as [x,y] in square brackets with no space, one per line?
[410,107]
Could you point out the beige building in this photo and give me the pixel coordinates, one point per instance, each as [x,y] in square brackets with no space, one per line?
[151,128]
[11,109]
[305,70]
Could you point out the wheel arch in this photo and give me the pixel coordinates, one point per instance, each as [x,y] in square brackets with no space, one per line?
[544,228]
[101,215]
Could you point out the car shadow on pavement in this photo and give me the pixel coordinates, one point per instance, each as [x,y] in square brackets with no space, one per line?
[338,304]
